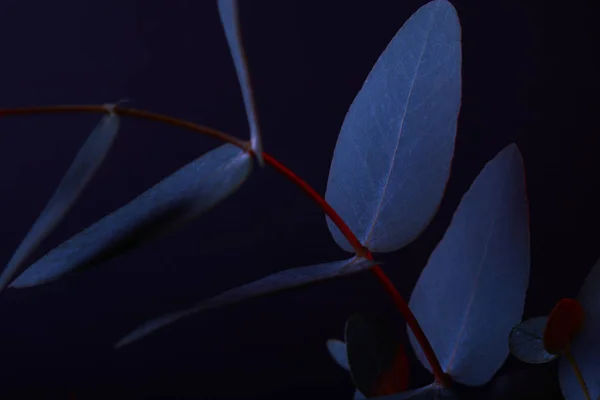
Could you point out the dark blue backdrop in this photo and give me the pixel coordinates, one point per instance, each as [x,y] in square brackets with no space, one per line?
[530,76]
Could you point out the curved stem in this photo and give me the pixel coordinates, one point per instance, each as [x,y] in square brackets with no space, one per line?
[361,251]
[578,374]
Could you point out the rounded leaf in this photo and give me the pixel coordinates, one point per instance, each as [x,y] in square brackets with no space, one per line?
[526,344]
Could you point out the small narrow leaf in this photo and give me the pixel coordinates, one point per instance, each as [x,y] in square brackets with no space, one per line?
[228,10]
[393,154]
[430,392]
[526,341]
[378,364]
[337,350]
[174,201]
[287,279]
[565,321]
[585,347]
[84,166]
[472,291]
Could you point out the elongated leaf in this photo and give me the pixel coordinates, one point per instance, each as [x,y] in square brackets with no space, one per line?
[526,341]
[279,281]
[228,10]
[429,392]
[586,345]
[84,166]
[392,158]
[378,364]
[337,350]
[174,201]
[472,291]
[565,321]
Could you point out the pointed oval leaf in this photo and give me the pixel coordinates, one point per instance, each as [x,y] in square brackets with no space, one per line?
[393,154]
[228,10]
[472,291]
[337,350]
[564,322]
[526,341]
[176,200]
[378,364]
[585,347]
[279,281]
[87,161]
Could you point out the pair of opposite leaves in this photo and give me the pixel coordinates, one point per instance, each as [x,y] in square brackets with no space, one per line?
[571,332]
[387,177]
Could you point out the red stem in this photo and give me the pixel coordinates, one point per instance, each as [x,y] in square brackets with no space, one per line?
[361,251]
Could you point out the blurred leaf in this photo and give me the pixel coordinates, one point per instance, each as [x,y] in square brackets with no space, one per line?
[228,10]
[526,343]
[429,392]
[393,154]
[378,364]
[337,350]
[279,281]
[472,291]
[564,322]
[585,347]
[176,200]
[87,161]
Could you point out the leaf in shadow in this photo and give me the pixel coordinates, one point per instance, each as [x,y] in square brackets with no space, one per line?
[526,341]
[585,347]
[228,10]
[393,154]
[287,279]
[176,200]
[87,161]
[472,291]
[564,322]
[337,350]
[429,392]
[377,361]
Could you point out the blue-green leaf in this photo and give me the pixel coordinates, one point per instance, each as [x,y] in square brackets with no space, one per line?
[393,154]
[585,347]
[228,10]
[526,341]
[472,291]
[279,281]
[84,166]
[337,350]
[174,201]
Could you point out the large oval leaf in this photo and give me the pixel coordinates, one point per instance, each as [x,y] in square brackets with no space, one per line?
[472,291]
[84,166]
[177,199]
[287,279]
[585,347]
[392,158]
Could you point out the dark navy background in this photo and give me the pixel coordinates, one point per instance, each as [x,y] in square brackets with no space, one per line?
[530,75]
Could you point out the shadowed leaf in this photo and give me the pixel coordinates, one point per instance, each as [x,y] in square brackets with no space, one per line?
[84,166]
[564,322]
[174,201]
[228,10]
[393,154]
[378,364]
[337,350]
[429,392]
[472,291]
[279,281]
[585,347]
[526,343]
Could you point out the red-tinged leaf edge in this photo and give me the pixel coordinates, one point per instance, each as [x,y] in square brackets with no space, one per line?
[396,378]
[564,322]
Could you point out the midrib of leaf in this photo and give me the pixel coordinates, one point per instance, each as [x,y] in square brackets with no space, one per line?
[393,162]
[466,317]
